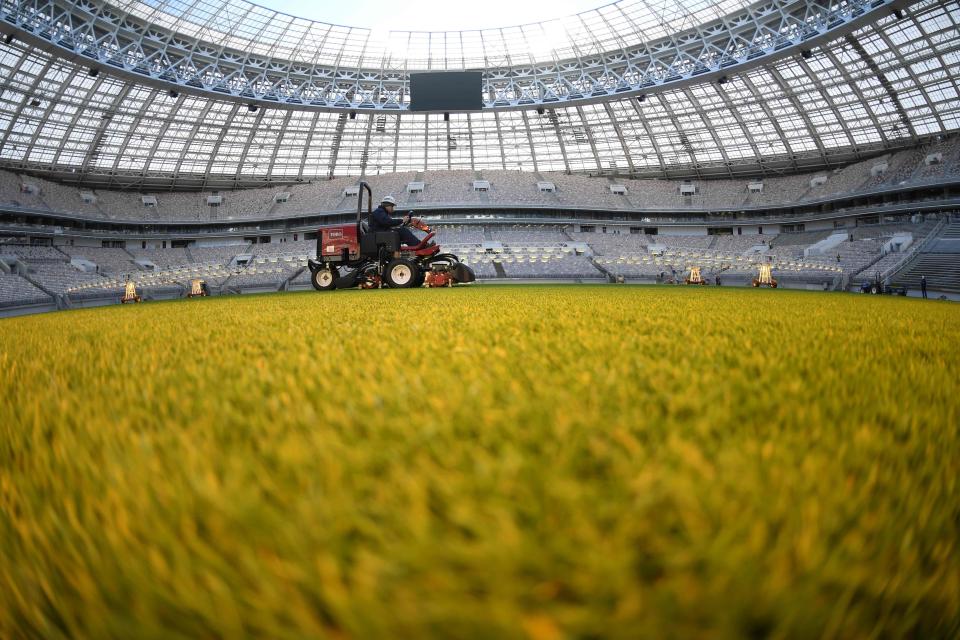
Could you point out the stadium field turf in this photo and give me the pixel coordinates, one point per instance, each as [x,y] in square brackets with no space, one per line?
[512,462]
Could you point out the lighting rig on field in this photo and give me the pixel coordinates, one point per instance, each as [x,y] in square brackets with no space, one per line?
[765,277]
[129,293]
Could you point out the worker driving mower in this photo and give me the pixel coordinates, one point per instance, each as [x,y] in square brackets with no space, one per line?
[381,250]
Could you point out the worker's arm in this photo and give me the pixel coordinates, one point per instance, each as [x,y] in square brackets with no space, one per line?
[383,219]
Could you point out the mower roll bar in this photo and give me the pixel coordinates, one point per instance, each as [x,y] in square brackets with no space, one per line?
[364,186]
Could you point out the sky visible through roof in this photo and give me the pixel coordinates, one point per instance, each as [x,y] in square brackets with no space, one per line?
[430,15]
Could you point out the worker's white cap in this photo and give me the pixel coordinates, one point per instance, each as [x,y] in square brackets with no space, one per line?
[389,200]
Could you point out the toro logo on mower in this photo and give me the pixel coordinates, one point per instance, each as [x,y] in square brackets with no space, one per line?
[334,233]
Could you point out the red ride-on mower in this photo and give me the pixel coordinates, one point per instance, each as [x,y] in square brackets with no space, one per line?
[349,255]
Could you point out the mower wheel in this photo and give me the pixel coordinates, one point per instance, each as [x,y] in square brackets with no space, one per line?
[401,273]
[421,277]
[324,279]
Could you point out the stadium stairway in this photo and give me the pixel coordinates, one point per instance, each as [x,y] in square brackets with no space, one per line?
[285,286]
[939,261]
[62,300]
[599,267]
[226,287]
[865,270]
[952,231]
[941,269]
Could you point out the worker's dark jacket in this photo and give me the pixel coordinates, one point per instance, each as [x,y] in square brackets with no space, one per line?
[380,220]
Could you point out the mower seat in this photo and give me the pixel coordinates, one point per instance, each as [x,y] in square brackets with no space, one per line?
[389,239]
[371,241]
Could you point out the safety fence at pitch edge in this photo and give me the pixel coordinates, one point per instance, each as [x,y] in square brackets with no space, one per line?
[469,254]
[177,276]
[718,262]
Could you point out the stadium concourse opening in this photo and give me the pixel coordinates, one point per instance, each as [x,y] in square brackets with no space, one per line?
[736,418]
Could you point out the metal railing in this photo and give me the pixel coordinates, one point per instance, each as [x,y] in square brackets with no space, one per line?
[915,249]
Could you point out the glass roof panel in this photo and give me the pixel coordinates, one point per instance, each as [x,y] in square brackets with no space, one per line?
[248,27]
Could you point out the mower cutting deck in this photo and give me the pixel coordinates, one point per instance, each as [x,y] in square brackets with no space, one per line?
[350,255]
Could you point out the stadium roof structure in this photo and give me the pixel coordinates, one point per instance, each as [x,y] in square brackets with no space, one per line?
[224,93]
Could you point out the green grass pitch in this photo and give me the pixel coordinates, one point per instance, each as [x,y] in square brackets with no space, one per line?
[483,462]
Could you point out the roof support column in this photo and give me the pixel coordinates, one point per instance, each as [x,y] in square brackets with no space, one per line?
[503,155]
[616,128]
[588,131]
[885,83]
[365,154]
[555,121]
[309,143]
[473,163]
[774,120]
[533,150]
[653,139]
[335,146]
[246,146]
[134,126]
[276,149]
[795,102]
[28,95]
[396,142]
[705,119]
[216,147]
[193,135]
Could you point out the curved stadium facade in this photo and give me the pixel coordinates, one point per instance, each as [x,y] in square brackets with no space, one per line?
[683,118]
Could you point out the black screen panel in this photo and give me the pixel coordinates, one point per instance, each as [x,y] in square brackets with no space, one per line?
[446,91]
